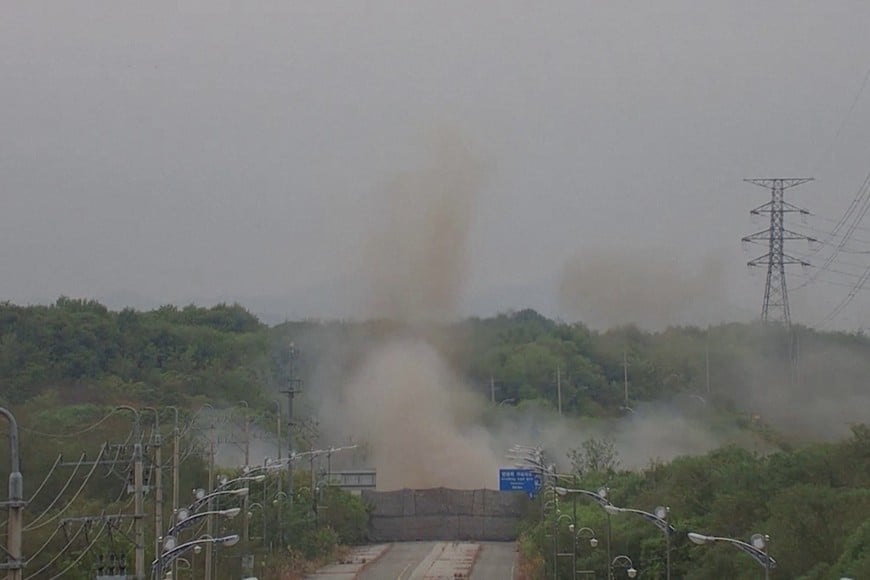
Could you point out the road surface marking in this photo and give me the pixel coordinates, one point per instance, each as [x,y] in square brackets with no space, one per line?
[402,573]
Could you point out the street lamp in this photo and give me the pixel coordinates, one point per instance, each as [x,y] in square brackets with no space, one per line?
[202,497]
[205,498]
[171,550]
[184,518]
[557,520]
[170,575]
[279,498]
[600,497]
[575,537]
[757,548]
[251,511]
[623,561]
[659,518]
[247,477]
[250,475]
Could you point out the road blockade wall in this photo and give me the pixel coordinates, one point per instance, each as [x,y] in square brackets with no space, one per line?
[443,514]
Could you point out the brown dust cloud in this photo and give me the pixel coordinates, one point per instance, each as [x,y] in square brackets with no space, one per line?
[395,392]
[386,384]
[401,397]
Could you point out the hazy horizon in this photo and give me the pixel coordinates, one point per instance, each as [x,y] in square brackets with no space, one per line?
[206,151]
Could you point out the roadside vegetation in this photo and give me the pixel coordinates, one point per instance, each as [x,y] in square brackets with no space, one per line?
[64,367]
[813,502]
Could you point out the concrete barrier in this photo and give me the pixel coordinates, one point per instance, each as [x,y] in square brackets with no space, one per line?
[442,514]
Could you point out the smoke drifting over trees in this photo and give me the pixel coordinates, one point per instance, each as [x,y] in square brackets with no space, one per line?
[403,385]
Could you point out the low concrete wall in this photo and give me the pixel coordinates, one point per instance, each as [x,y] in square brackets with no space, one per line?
[442,514]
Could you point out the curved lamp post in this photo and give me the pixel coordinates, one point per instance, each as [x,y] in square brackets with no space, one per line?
[185,518]
[556,553]
[225,482]
[279,498]
[202,498]
[623,561]
[188,565]
[599,497]
[172,550]
[576,537]
[249,476]
[757,548]
[251,508]
[659,518]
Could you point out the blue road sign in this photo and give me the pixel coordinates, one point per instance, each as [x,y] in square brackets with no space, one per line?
[525,480]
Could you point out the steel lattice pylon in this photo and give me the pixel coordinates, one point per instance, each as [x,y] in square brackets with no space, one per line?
[775,308]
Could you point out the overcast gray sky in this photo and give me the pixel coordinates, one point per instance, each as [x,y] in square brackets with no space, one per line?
[155,152]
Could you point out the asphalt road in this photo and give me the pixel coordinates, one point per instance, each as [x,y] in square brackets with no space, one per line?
[398,561]
[495,561]
[419,560]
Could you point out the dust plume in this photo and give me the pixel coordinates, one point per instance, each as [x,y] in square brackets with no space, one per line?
[387,384]
[417,258]
[400,395]
[420,421]
[818,397]
[640,287]
[657,431]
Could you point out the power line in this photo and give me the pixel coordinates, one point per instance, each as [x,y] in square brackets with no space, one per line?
[860,204]
[83,554]
[832,220]
[833,283]
[74,434]
[842,125]
[858,286]
[60,493]
[33,525]
[830,237]
[56,556]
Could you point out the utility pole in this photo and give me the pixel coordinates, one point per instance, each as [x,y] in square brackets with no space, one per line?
[209,525]
[247,558]
[707,365]
[290,391]
[138,508]
[14,503]
[138,489]
[158,477]
[775,308]
[625,373]
[278,426]
[175,465]
[247,430]
[158,492]
[559,387]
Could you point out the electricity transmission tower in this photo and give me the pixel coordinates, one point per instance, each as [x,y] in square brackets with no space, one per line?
[775,308]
